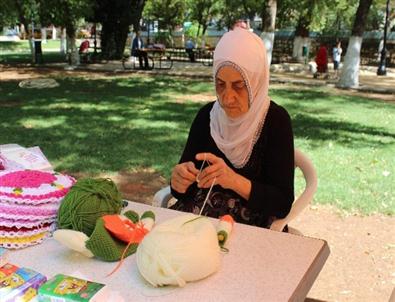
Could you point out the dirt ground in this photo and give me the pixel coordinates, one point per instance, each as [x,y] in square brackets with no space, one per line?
[361,264]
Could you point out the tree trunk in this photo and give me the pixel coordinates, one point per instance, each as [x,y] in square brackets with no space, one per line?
[204,35]
[268,40]
[115,18]
[296,50]
[136,14]
[44,35]
[120,40]
[72,50]
[74,59]
[197,34]
[25,22]
[269,16]
[31,46]
[349,77]
[298,45]
[107,38]
[63,44]
[30,36]
[301,37]
[360,18]
[23,32]
[268,27]
[170,30]
[113,39]
[53,32]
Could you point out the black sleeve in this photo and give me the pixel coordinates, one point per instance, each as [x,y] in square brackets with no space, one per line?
[273,192]
[196,140]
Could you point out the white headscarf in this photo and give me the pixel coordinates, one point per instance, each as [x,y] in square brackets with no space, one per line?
[236,137]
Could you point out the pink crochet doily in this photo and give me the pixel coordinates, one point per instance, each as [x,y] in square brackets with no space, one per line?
[12,232]
[26,179]
[33,187]
[19,245]
[28,212]
[25,223]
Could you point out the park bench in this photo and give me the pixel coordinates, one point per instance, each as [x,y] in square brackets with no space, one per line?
[157,58]
[205,55]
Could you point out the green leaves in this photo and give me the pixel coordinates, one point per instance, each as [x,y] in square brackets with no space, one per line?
[169,13]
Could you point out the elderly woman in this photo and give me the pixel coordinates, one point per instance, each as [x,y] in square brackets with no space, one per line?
[242,143]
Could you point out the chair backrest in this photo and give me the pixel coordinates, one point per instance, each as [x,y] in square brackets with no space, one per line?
[306,166]
[163,196]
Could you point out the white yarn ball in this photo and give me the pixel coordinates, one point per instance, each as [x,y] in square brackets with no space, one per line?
[179,250]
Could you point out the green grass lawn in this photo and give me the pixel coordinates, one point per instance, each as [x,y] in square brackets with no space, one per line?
[19,52]
[23,46]
[112,124]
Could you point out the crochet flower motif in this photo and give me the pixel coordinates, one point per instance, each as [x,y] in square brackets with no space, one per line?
[18,191]
[57,186]
[26,179]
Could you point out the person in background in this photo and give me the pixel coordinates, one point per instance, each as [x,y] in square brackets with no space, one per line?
[239,155]
[138,51]
[242,23]
[321,60]
[84,47]
[189,49]
[337,53]
[84,51]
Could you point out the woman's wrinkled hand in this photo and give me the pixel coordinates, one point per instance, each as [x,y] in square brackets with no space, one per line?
[218,169]
[183,176]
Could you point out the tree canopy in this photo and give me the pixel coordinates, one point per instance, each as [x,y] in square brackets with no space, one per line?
[169,13]
[333,17]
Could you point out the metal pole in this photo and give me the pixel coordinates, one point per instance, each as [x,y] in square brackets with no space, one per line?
[382,67]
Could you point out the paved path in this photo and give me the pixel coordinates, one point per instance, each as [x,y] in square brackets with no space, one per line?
[297,74]
[280,73]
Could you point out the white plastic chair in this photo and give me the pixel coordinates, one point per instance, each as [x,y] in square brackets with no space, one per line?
[163,197]
[306,166]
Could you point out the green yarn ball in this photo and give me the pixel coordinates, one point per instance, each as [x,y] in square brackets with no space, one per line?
[88,200]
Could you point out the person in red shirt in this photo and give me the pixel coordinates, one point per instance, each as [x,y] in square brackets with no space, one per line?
[83,51]
[322,61]
[84,47]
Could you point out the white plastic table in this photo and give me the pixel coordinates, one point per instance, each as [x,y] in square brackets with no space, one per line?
[261,265]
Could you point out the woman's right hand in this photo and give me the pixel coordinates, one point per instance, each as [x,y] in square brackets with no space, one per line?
[183,176]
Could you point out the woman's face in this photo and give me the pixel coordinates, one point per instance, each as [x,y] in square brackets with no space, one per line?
[232,91]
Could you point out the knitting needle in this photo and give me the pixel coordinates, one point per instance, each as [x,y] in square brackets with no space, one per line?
[207,196]
[211,187]
[201,167]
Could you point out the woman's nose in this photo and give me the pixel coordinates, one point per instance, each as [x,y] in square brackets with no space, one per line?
[229,95]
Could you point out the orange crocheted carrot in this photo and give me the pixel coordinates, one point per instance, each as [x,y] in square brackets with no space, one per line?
[127,231]
[224,229]
[227,218]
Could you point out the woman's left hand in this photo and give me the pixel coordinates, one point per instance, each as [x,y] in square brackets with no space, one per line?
[225,176]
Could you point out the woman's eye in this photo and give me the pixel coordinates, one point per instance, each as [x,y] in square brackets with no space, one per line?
[220,84]
[239,86]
